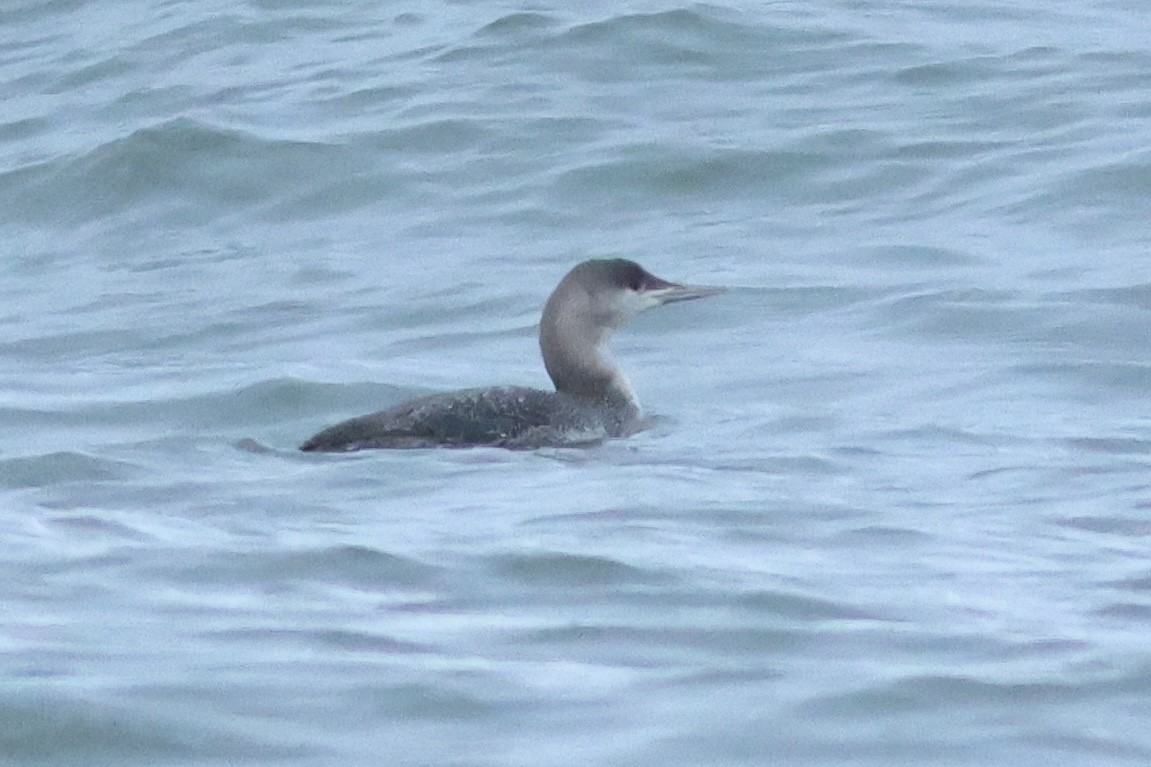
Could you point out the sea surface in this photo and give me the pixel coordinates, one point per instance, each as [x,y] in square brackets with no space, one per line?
[895,505]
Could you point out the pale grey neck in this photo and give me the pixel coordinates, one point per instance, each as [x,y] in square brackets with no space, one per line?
[573,334]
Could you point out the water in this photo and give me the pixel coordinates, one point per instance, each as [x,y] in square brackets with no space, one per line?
[895,507]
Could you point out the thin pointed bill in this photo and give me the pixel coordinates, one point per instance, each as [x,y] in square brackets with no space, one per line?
[669,292]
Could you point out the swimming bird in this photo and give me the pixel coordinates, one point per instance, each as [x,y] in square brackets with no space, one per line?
[593,400]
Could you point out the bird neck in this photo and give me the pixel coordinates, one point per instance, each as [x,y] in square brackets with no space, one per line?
[576,359]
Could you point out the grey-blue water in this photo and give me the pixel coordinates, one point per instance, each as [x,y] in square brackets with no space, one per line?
[896,506]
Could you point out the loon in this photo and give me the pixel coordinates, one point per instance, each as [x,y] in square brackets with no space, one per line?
[593,400]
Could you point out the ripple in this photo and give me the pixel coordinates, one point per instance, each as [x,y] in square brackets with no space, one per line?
[569,570]
[666,644]
[641,173]
[343,640]
[357,566]
[1109,523]
[935,691]
[424,702]
[802,607]
[1111,445]
[515,24]
[174,170]
[60,468]
[50,729]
